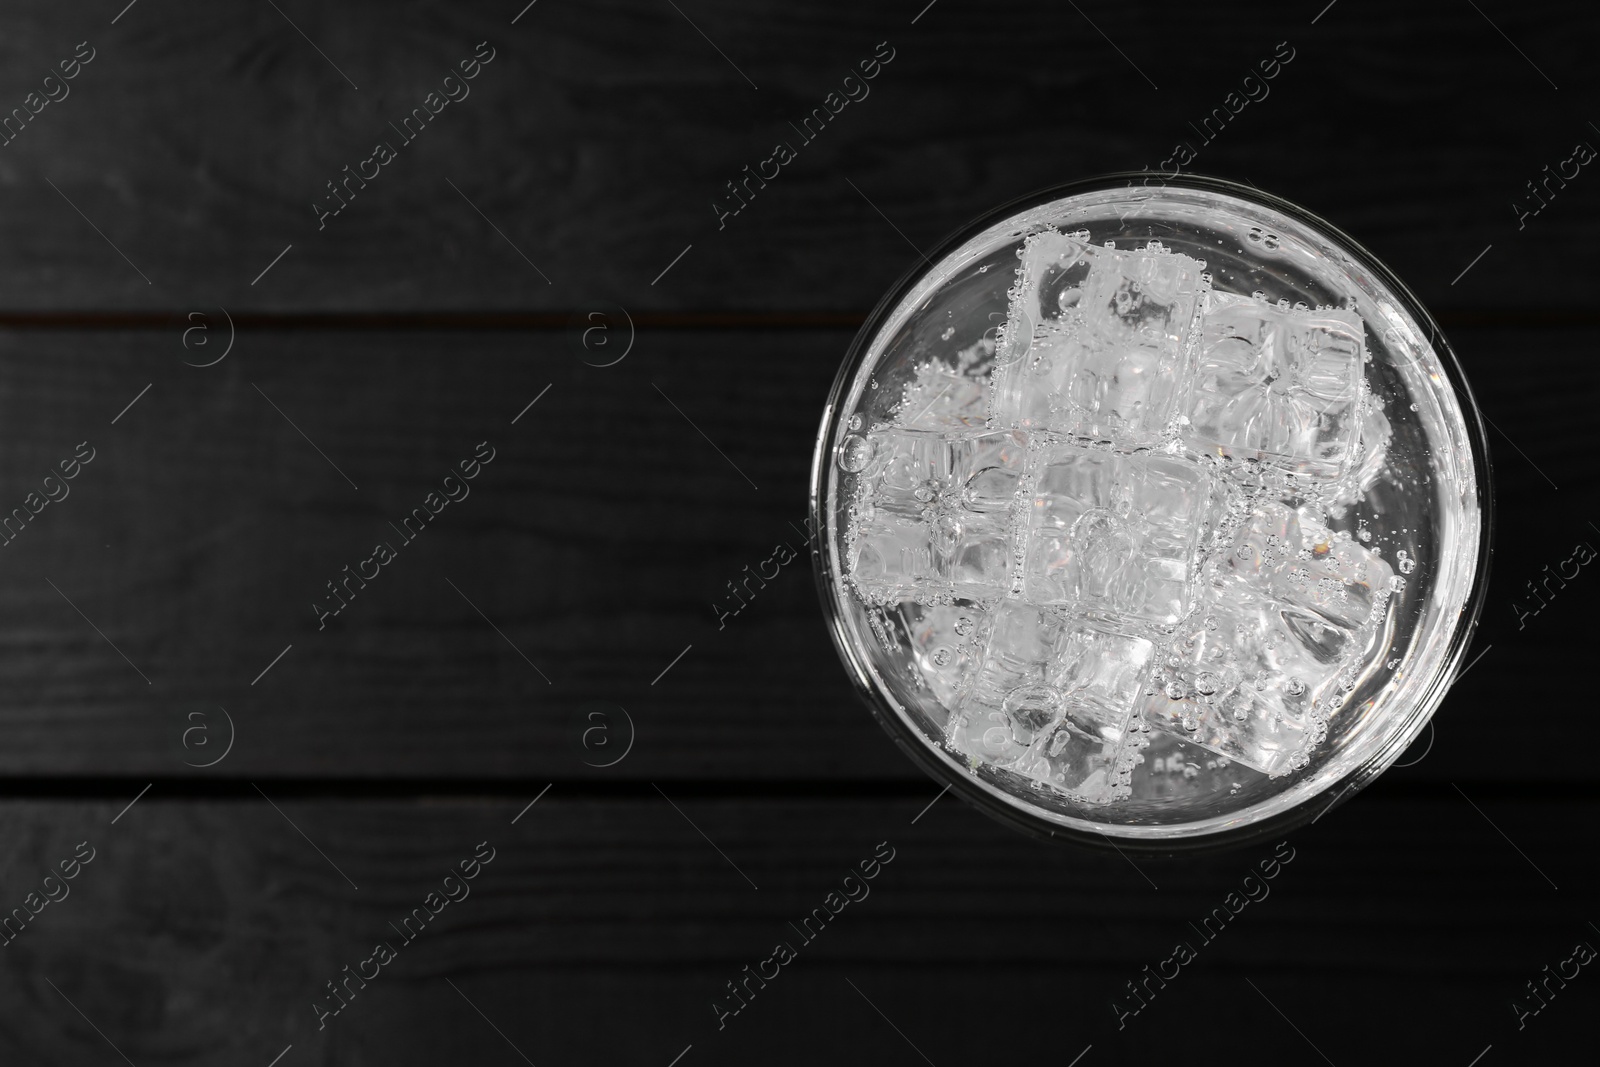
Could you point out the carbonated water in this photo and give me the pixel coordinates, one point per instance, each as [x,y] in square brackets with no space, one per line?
[1127,527]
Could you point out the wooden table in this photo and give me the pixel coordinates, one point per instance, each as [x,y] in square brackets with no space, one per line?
[267,388]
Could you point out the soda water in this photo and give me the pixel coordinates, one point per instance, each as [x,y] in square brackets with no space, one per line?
[1124,509]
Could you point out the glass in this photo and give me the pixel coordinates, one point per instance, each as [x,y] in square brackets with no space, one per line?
[1155,515]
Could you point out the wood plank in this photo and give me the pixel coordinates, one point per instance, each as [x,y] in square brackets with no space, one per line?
[591,151]
[210,929]
[596,543]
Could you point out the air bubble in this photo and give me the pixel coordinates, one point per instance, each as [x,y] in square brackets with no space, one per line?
[855,452]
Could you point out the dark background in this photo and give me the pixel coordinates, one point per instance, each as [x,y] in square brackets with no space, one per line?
[577,178]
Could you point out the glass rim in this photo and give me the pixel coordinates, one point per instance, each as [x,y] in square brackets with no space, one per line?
[929,756]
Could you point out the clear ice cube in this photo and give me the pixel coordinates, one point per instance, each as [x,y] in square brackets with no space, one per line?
[1075,761]
[1277,632]
[1052,698]
[1115,535]
[945,642]
[1022,643]
[1099,672]
[1239,683]
[1371,453]
[1291,557]
[932,515]
[1097,340]
[1278,385]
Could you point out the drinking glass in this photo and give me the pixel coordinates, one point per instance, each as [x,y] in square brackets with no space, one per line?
[1142,576]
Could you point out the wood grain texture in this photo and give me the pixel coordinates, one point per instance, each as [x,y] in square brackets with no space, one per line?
[591,150]
[164,607]
[596,543]
[204,932]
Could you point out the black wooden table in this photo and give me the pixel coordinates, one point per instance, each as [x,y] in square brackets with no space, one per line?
[273,272]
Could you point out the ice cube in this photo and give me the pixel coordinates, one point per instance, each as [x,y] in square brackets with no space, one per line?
[1277,385]
[1026,393]
[1097,340]
[1116,535]
[1285,619]
[1052,698]
[1119,391]
[1148,299]
[1000,734]
[1238,682]
[1371,457]
[1021,647]
[1099,673]
[983,736]
[907,466]
[1251,734]
[932,515]
[1293,558]
[1052,277]
[1073,760]
[945,644]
